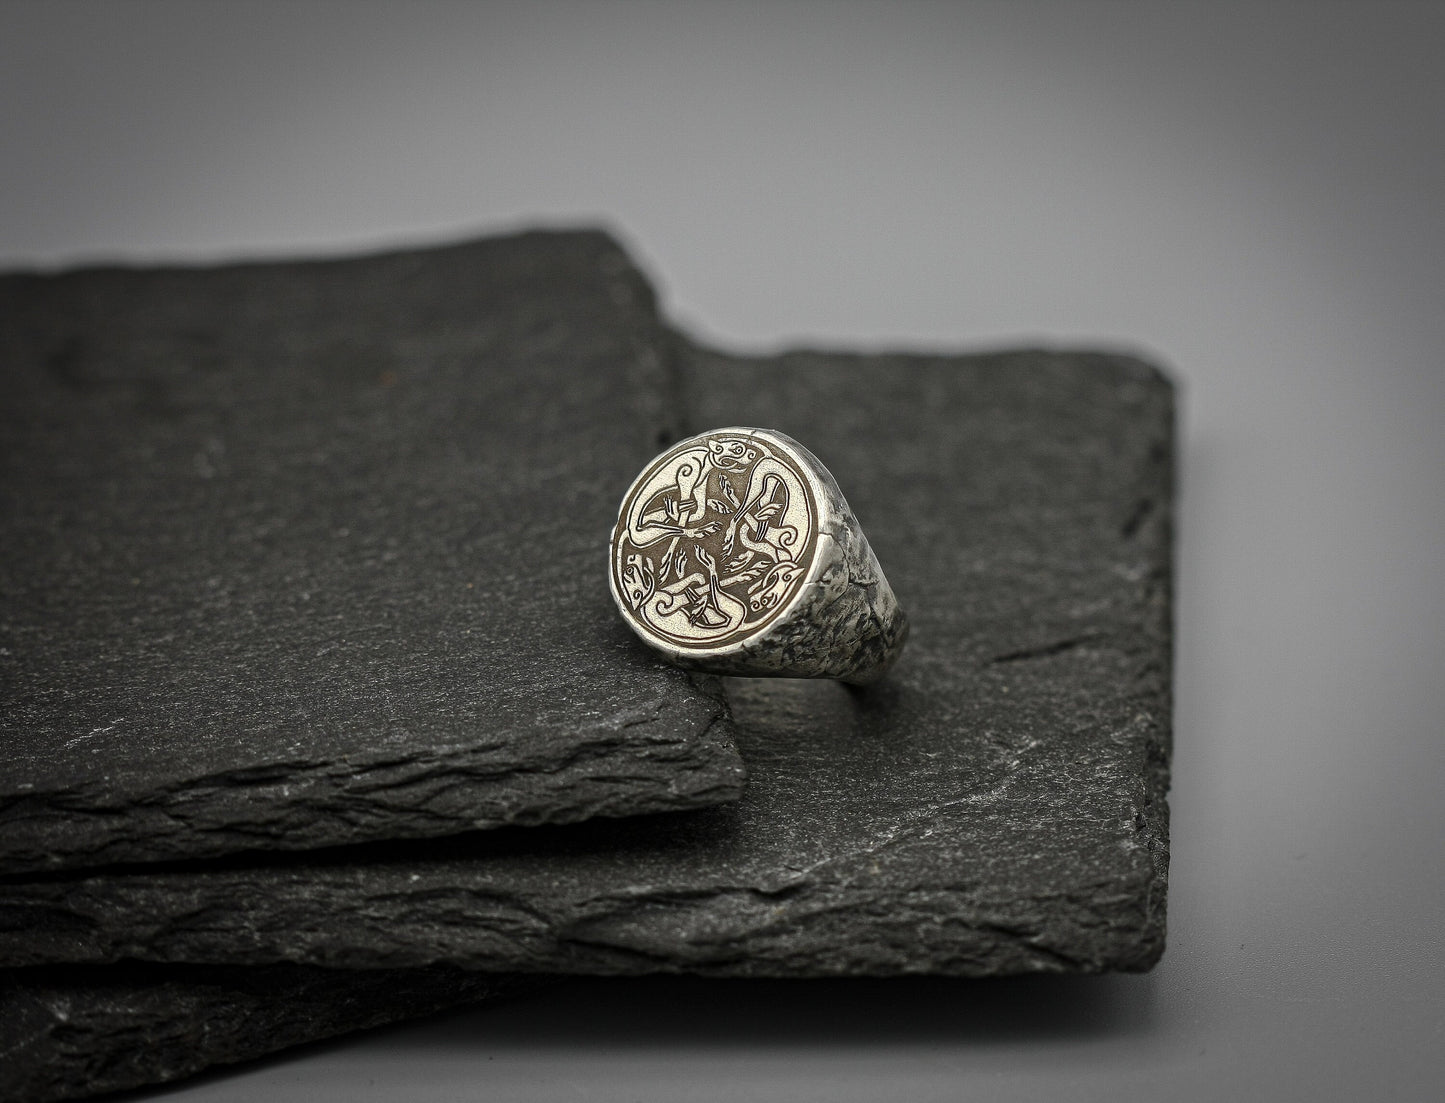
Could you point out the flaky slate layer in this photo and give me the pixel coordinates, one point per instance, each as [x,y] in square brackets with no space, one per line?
[297,555]
[74,1033]
[996,805]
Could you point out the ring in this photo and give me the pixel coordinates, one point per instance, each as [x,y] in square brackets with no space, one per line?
[736,553]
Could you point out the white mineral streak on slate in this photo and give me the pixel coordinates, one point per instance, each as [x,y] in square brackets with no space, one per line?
[296,555]
[995,806]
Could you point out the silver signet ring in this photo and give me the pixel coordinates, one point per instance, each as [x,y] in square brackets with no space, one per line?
[736,553]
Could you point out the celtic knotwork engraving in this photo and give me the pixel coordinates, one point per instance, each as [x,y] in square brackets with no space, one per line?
[714,539]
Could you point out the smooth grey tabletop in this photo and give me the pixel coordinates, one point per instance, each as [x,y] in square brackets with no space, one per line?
[1250,192]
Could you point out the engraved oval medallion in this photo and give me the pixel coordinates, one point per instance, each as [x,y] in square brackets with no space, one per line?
[714,539]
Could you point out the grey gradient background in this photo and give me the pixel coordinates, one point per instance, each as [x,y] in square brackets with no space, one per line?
[1253,193]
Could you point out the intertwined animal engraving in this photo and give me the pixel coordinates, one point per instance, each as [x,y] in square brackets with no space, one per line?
[714,540]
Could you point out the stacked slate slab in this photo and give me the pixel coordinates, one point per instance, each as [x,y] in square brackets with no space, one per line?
[73,1033]
[300,555]
[296,555]
[996,805]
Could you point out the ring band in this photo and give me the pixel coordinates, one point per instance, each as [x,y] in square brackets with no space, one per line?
[736,553]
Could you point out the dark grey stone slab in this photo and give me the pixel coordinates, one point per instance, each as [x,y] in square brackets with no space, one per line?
[294,555]
[996,805]
[69,1033]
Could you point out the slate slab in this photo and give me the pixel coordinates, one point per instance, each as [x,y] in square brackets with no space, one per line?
[996,805]
[294,555]
[70,1033]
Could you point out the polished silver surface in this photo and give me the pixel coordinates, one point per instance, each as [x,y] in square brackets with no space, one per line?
[736,553]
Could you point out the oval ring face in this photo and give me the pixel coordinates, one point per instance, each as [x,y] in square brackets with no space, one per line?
[714,540]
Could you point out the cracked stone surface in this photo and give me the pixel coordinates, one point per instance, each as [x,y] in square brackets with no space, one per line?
[996,805]
[74,1033]
[304,554]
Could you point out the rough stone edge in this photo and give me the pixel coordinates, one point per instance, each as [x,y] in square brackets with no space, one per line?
[726,929]
[687,760]
[1160,487]
[70,1034]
